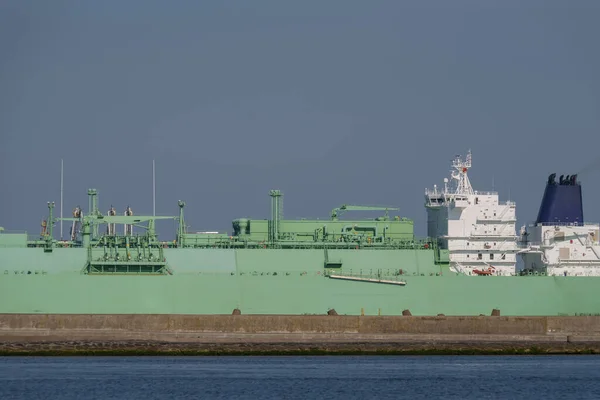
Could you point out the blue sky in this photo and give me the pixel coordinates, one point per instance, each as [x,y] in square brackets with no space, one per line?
[330,101]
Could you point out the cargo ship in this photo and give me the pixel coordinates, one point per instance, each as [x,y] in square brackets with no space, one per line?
[115,264]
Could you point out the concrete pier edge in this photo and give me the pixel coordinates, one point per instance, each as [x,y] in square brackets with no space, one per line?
[74,334]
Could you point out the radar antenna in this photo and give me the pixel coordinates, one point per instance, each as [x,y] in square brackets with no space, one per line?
[459,174]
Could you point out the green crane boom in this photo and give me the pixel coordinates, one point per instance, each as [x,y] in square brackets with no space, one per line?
[335,213]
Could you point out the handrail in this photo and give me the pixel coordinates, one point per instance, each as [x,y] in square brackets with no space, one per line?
[589,224]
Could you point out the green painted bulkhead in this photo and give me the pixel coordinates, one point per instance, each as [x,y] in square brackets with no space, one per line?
[274,266]
[327,231]
[11,240]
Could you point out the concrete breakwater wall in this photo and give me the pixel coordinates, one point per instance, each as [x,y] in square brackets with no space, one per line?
[269,328]
[66,334]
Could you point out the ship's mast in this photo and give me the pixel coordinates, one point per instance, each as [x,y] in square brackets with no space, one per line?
[61,199]
[463,185]
[181,227]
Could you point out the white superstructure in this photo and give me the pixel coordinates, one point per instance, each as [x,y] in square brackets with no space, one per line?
[477,230]
[561,250]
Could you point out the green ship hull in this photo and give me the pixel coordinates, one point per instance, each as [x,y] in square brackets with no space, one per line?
[116,265]
[281,281]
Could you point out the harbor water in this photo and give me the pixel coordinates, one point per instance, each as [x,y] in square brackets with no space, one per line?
[343,377]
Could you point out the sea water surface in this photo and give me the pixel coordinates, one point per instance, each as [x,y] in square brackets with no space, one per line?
[335,377]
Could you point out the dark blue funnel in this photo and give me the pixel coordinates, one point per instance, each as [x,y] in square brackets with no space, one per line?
[562,202]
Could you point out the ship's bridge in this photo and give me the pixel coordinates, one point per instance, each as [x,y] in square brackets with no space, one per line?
[473,226]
